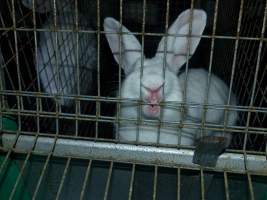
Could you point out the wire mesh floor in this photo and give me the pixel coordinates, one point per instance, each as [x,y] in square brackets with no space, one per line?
[49,177]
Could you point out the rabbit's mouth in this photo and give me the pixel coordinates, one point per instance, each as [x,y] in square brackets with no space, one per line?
[152,110]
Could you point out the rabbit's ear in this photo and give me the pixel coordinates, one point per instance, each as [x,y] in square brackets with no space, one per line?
[177,46]
[130,46]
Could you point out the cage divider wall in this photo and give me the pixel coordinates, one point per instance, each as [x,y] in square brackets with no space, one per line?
[59,82]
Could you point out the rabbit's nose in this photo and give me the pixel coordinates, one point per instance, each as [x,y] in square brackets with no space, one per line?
[153,96]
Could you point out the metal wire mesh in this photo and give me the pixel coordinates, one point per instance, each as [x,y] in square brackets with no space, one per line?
[69,178]
[79,99]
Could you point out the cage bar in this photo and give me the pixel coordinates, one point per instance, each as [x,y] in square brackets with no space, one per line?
[139,154]
[85,130]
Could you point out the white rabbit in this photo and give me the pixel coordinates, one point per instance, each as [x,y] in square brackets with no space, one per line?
[155,88]
[65,81]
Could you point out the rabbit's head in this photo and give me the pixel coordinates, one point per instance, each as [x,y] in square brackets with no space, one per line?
[155,80]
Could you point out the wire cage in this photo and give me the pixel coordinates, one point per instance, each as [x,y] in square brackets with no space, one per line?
[61,101]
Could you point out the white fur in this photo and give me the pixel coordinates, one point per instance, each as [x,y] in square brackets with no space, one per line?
[66,83]
[176,49]
[196,92]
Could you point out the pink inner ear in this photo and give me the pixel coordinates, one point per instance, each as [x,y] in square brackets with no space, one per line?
[177,57]
[177,60]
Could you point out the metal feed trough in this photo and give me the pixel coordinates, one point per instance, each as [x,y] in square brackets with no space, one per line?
[84,114]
